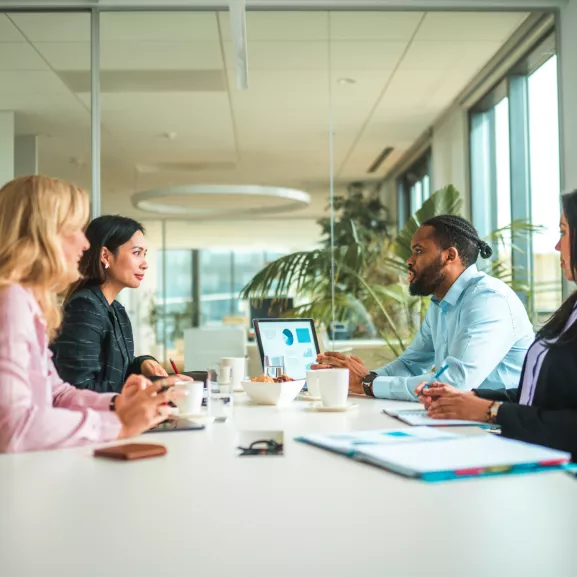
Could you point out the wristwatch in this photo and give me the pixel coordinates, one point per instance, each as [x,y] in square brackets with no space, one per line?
[112,405]
[492,411]
[367,382]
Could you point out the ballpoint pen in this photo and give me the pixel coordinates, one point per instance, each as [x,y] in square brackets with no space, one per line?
[437,376]
[176,372]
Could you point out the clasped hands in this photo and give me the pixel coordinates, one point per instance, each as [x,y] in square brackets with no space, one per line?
[444,401]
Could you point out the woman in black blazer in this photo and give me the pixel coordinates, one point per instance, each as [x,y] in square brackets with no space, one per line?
[543,410]
[95,349]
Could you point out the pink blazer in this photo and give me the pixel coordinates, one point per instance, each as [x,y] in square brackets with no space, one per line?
[37,409]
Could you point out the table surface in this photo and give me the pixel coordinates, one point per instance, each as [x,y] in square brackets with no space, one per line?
[202,510]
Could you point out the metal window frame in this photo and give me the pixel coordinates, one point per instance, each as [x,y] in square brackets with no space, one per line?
[483,170]
[515,87]
[406,183]
[519,156]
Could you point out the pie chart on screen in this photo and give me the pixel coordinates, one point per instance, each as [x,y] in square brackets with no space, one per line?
[288,337]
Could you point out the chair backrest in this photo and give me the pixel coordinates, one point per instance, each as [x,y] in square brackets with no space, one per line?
[204,347]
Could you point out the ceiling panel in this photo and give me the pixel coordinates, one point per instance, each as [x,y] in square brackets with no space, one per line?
[20,56]
[373,25]
[277,91]
[407,93]
[431,55]
[65,55]
[469,25]
[159,26]
[281,55]
[54,27]
[474,55]
[74,125]
[280,26]
[49,104]
[366,55]
[18,82]
[8,32]
[135,55]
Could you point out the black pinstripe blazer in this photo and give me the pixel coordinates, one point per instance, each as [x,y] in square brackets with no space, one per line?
[95,348]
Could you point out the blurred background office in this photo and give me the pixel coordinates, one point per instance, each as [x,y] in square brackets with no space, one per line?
[274,165]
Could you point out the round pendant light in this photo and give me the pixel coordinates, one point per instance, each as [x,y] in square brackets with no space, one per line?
[220,201]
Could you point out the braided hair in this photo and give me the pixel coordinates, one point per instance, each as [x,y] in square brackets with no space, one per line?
[455,231]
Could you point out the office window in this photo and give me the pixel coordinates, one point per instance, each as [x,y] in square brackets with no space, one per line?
[545,186]
[217,297]
[514,142]
[414,187]
[490,166]
[175,295]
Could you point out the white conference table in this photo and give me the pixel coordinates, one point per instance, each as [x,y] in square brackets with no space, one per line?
[202,510]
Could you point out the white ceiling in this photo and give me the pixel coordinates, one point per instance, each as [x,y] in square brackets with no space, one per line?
[408,68]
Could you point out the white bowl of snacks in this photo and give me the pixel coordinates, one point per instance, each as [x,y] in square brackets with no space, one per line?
[265,390]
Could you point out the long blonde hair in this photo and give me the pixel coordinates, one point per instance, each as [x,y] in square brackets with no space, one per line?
[34,211]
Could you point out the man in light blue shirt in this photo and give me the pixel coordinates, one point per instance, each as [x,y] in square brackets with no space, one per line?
[475,324]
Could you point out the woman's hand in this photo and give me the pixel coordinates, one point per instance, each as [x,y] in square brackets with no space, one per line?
[357,369]
[142,405]
[150,368]
[447,402]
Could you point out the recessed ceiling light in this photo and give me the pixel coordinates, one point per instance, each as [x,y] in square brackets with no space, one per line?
[346,81]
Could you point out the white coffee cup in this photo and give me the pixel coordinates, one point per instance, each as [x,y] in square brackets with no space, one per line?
[334,387]
[238,370]
[313,382]
[192,402]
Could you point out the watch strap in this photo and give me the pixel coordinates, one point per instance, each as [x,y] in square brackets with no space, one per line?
[368,383]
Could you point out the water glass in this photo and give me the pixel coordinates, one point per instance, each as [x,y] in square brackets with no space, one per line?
[274,366]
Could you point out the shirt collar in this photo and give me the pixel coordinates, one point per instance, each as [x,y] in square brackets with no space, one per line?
[454,293]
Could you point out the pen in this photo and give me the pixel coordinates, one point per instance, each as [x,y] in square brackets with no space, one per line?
[174,367]
[437,375]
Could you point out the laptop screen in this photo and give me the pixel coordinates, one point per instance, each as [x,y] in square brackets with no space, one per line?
[293,339]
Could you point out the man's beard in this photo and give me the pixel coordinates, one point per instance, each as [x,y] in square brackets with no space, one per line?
[429,280]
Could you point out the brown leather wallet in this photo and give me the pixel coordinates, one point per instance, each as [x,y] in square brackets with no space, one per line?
[131,451]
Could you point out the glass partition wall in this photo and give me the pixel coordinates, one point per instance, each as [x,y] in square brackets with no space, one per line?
[232,176]
[267,175]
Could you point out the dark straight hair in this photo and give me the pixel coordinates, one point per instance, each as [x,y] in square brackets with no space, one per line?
[110,231]
[556,324]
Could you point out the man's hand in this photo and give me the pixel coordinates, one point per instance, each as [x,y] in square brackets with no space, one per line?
[150,368]
[447,402]
[357,369]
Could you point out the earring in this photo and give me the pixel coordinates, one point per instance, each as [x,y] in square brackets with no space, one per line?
[106,265]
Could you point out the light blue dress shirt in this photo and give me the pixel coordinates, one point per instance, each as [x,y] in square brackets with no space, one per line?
[480,329]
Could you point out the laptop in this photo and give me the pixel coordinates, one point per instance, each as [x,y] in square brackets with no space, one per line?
[293,339]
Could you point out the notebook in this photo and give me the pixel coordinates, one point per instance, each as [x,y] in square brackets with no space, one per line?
[448,456]
[419,417]
[348,443]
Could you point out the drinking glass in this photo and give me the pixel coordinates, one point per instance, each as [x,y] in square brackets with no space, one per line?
[274,366]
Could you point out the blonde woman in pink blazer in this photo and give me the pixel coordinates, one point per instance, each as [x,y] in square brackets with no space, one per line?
[41,243]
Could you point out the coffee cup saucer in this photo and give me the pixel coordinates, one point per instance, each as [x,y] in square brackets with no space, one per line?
[318,407]
[307,397]
[200,418]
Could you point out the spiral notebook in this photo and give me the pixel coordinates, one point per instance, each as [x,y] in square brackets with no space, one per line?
[443,458]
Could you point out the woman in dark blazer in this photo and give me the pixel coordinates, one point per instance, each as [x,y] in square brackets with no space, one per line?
[543,410]
[95,349]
